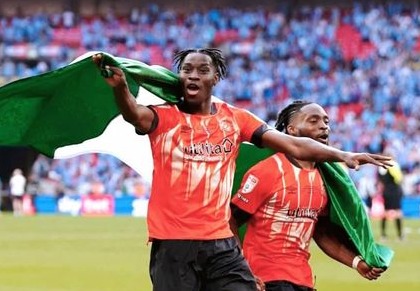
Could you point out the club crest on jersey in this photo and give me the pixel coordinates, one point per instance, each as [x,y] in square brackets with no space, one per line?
[250,184]
[226,125]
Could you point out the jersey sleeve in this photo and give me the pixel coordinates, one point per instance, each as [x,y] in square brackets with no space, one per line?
[249,125]
[255,187]
[164,118]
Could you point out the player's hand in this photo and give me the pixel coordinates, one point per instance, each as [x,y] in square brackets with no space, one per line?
[368,272]
[355,160]
[114,76]
[260,284]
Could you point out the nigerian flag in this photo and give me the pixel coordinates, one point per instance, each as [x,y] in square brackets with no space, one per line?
[72,111]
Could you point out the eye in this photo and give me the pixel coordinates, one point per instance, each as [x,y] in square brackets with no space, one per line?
[204,70]
[186,69]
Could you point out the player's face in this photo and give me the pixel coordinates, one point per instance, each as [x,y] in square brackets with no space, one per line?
[198,76]
[311,121]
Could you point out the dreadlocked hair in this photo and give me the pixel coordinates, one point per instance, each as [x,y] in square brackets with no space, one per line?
[214,53]
[285,116]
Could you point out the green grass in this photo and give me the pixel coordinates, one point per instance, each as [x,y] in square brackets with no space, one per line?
[59,253]
[403,274]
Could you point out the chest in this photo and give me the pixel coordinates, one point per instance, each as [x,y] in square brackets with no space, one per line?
[200,139]
[305,190]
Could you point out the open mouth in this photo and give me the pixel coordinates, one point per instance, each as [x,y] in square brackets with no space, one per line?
[192,89]
[323,138]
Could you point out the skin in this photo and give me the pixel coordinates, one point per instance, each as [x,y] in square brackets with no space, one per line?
[198,76]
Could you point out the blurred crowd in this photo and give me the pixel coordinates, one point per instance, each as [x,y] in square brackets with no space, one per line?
[361,63]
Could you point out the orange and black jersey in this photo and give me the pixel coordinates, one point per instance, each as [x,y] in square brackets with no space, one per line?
[283,202]
[194,163]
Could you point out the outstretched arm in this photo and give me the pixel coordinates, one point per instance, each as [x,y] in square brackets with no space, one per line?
[308,149]
[333,241]
[138,115]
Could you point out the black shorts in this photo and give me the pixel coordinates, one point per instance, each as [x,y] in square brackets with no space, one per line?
[192,265]
[17,197]
[285,286]
[392,201]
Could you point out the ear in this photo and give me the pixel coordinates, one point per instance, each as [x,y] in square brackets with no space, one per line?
[291,129]
[216,79]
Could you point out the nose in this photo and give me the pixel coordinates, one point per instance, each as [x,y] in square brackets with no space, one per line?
[324,125]
[193,74]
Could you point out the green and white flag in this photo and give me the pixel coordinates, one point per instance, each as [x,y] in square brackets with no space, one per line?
[72,111]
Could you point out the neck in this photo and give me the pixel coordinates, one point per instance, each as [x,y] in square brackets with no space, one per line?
[203,109]
[301,164]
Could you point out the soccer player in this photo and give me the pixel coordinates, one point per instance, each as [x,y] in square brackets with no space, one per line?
[284,202]
[390,187]
[194,145]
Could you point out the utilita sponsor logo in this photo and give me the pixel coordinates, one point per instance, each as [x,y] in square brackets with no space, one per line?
[208,151]
[311,213]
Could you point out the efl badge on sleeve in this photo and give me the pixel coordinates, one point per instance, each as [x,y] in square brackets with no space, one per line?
[250,184]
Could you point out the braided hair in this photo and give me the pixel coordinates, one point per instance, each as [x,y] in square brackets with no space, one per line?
[214,53]
[285,116]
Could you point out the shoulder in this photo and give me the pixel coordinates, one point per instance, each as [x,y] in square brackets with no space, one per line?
[220,104]
[163,107]
[271,163]
[165,111]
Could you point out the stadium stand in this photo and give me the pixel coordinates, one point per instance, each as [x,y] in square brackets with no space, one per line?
[360,61]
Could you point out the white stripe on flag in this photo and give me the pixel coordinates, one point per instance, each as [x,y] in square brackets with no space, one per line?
[119,140]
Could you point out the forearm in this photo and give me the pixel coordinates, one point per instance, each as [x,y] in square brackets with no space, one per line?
[302,148]
[337,251]
[234,227]
[334,242]
[126,103]
[237,219]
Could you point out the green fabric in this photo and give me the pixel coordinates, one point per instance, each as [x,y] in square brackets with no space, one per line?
[347,210]
[72,104]
[346,206]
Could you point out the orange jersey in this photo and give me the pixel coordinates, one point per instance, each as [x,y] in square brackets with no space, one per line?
[285,202]
[194,163]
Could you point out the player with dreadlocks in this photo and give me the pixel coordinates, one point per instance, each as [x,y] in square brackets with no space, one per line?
[194,145]
[286,213]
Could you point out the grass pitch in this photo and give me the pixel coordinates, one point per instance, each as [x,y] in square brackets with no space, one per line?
[60,253]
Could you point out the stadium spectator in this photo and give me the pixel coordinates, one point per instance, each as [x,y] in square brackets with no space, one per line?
[285,214]
[194,146]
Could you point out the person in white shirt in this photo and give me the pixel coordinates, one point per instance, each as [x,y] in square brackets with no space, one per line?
[17,186]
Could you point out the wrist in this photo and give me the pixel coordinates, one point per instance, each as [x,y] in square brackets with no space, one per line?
[356,262]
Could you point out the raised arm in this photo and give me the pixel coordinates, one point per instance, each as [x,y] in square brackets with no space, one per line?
[333,241]
[140,116]
[304,148]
